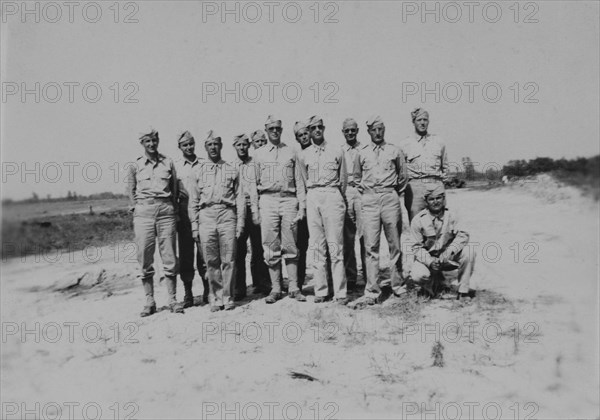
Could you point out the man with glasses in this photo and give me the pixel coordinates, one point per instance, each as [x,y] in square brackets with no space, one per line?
[281,206]
[381,177]
[323,170]
[440,245]
[426,160]
[352,223]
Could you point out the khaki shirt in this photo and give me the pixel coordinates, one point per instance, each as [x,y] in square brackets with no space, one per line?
[215,183]
[435,237]
[277,171]
[323,166]
[152,179]
[184,170]
[380,166]
[247,171]
[425,156]
[350,153]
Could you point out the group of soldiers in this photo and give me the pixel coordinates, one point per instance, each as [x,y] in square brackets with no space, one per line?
[288,199]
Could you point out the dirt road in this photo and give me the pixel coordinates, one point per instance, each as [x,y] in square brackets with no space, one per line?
[526,347]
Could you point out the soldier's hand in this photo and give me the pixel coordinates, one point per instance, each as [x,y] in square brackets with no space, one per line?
[256,218]
[196,236]
[131,209]
[238,232]
[435,264]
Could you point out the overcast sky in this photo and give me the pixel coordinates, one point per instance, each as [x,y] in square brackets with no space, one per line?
[168,69]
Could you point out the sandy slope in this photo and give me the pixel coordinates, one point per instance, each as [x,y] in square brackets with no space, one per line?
[527,346]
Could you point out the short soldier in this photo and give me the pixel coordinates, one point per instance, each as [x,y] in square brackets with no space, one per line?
[352,223]
[217,213]
[259,138]
[281,203]
[152,188]
[185,239]
[303,138]
[426,161]
[381,175]
[440,245]
[258,268]
[324,172]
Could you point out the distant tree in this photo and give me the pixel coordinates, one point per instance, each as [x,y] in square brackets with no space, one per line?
[35,197]
[469,168]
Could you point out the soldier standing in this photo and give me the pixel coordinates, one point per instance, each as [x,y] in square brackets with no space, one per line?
[381,176]
[185,239]
[281,205]
[258,268]
[217,213]
[426,159]
[152,188]
[323,169]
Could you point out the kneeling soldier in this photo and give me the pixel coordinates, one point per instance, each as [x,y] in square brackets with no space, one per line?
[439,245]
[217,213]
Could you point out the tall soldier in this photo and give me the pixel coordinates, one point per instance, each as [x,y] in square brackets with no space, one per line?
[323,169]
[217,212]
[352,221]
[381,175]
[152,188]
[184,167]
[303,138]
[258,268]
[281,203]
[427,162]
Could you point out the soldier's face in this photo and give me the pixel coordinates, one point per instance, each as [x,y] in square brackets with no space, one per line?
[317,132]
[188,147]
[377,133]
[421,124]
[150,145]
[213,149]
[241,147]
[258,142]
[274,133]
[303,137]
[350,133]
[436,203]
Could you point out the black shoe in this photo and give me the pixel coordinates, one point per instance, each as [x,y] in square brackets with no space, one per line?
[188,302]
[205,297]
[320,299]
[176,308]
[237,298]
[342,301]
[216,308]
[148,310]
[230,306]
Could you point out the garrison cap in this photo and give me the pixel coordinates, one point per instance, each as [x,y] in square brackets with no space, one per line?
[315,120]
[186,135]
[417,113]
[153,134]
[240,137]
[258,134]
[272,122]
[434,190]
[374,120]
[300,125]
[212,136]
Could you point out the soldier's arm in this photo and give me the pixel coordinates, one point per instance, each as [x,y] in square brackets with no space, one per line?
[194,203]
[402,171]
[131,184]
[174,189]
[418,248]
[358,160]
[461,239]
[251,185]
[444,163]
[240,204]
[300,185]
[343,174]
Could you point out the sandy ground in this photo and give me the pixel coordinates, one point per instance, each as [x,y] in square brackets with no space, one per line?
[526,347]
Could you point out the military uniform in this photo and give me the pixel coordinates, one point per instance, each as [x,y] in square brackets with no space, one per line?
[185,240]
[152,186]
[427,164]
[258,268]
[324,170]
[281,198]
[217,211]
[442,237]
[381,174]
[352,221]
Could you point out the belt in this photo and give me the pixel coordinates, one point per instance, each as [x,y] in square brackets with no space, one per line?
[153,200]
[323,188]
[379,190]
[204,206]
[278,194]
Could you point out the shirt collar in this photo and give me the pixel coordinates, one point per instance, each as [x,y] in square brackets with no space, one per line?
[194,163]
[160,158]
[380,145]
[321,147]
[348,147]
[419,138]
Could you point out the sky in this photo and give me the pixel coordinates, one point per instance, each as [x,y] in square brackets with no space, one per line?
[501,80]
